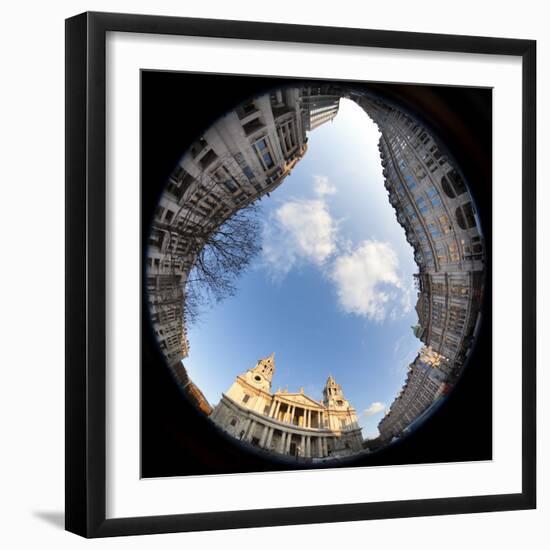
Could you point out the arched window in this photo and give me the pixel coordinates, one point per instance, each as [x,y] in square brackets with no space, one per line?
[446,186]
[453,184]
[465,216]
[460,218]
[457,182]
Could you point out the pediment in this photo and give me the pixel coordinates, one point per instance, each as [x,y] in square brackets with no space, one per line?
[300,399]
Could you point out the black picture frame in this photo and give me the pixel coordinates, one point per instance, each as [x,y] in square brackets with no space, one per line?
[86,275]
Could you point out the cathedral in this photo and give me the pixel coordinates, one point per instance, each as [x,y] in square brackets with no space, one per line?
[288,423]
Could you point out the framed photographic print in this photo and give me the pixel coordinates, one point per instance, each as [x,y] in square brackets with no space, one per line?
[291,292]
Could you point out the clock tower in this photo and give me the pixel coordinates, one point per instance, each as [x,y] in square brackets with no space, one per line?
[261,375]
[333,396]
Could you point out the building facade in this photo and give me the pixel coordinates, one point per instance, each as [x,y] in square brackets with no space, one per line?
[288,423]
[426,382]
[433,205]
[190,389]
[436,210]
[245,155]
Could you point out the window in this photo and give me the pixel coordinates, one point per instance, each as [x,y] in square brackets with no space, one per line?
[441,253]
[434,230]
[453,185]
[453,252]
[230,186]
[233,422]
[169,216]
[431,191]
[411,184]
[268,160]
[423,209]
[246,109]
[444,221]
[248,172]
[198,147]
[446,186]
[246,398]
[179,182]
[208,159]
[465,216]
[459,290]
[156,239]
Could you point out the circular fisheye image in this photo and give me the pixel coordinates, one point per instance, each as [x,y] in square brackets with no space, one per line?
[315,273]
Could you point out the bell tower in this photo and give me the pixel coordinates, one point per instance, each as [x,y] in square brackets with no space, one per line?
[333,396]
[262,374]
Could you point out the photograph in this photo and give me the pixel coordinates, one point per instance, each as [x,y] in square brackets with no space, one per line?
[288,272]
[316,273]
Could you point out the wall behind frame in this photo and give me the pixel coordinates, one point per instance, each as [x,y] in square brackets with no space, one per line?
[31,214]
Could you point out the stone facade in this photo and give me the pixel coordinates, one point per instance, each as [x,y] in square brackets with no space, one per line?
[426,382]
[433,205]
[245,155]
[436,210]
[288,423]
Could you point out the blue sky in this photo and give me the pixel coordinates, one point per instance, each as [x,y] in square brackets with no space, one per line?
[332,291]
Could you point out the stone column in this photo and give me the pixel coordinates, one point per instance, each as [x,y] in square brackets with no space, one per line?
[245,429]
[303,446]
[277,409]
[272,408]
[287,413]
[308,445]
[319,447]
[250,430]
[283,443]
[269,438]
[325,447]
[264,436]
[288,442]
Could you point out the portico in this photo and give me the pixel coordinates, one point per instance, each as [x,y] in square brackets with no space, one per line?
[285,422]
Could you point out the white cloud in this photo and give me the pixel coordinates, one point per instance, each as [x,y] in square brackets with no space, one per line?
[374,408]
[366,280]
[322,186]
[299,230]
